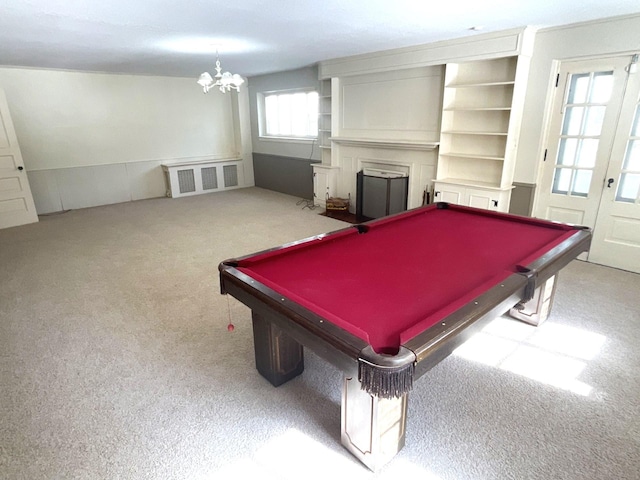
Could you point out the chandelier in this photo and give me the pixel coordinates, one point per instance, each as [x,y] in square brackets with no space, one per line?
[224,81]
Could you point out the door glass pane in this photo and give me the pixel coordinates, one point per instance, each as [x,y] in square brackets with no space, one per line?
[593,121]
[602,87]
[572,120]
[567,153]
[587,153]
[581,183]
[579,88]
[635,131]
[562,180]
[632,159]
[629,188]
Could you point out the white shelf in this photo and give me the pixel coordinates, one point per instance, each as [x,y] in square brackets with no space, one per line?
[468,132]
[473,156]
[480,85]
[477,109]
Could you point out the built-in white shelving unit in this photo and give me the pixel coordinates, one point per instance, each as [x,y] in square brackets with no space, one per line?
[325,176]
[481,116]
[324,121]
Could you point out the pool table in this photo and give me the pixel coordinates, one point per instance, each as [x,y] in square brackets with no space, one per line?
[386,300]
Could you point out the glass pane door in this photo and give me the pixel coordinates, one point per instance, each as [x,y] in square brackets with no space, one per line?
[629,184]
[584,110]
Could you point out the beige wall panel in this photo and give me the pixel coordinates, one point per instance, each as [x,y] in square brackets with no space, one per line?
[146,180]
[397,105]
[46,194]
[92,186]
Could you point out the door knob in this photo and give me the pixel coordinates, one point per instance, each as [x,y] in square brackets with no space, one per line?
[21,168]
[609,182]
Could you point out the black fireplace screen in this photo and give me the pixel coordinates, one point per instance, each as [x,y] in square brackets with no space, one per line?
[378,196]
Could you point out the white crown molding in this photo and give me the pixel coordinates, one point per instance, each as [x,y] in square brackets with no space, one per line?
[505,43]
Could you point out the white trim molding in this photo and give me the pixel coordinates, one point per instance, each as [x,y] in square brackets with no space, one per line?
[477,47]
[393,144]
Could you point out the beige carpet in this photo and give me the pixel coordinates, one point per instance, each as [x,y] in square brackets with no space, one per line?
[116,363]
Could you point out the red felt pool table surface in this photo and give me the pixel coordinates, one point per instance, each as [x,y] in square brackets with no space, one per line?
[406,272]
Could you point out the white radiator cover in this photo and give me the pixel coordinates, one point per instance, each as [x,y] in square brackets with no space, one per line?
[204,176]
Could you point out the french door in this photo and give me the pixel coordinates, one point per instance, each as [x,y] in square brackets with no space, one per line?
[591,175]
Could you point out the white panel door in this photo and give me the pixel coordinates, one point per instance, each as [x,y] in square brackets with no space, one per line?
[616,238]
[16,202]
[581,132]
[592,172]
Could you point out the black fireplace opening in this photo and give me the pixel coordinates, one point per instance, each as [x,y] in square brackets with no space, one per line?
[379,195]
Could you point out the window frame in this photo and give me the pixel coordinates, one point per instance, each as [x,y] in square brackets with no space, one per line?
[262,117]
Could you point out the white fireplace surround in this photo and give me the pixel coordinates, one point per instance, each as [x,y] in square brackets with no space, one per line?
[418,165]
[371,129]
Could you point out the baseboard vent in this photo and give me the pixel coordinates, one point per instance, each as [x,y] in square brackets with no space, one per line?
[230,175]
[209,178]
[186,181]
[194,178]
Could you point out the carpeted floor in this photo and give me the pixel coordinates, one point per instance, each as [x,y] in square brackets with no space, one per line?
[116,363]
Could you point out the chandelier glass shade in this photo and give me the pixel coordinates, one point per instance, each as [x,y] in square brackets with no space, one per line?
[224,81]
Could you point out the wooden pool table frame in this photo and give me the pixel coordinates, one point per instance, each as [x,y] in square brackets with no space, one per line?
[373,428]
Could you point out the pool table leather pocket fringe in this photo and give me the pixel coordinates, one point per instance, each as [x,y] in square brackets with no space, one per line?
[386,376]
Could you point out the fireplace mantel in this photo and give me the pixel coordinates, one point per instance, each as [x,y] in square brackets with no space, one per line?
[392,144]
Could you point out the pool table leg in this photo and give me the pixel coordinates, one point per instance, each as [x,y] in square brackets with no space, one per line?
[372,428]
[279,358]
[537,310]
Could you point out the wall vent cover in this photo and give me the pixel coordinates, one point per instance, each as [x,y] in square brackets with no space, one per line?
[197,177]
[186,181]
[209,178]
[230,175]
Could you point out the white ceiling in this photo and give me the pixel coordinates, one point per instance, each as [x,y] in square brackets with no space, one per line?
[170,37]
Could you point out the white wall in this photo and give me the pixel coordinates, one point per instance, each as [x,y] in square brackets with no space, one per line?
[605,37]
[91,139]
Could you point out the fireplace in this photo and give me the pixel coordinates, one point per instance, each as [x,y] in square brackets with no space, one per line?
[380,193]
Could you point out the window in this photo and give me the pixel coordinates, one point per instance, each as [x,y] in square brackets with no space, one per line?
[289,114]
